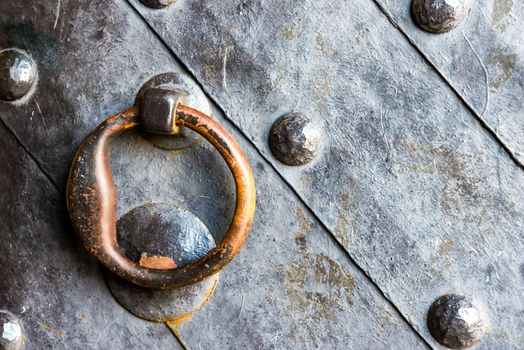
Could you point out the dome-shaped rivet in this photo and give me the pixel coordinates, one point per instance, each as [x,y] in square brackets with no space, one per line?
[439,16]
[158,4]
[456,321]
[11,332]
[295,139]
[17,74]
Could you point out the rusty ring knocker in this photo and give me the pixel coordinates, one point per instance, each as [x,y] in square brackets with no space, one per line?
[91,201]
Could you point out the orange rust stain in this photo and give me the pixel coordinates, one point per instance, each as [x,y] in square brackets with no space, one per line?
[157,262]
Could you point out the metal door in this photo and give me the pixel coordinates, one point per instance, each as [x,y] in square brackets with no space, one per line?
[387,162]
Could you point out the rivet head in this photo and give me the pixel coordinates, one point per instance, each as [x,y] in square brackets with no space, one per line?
[439,16]
[17,74]
[456,321]
[295,139]
[11,332]
[158,4]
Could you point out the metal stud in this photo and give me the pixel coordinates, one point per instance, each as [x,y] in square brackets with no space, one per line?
[295,139]
[456,321]
[17,74]
[179,239]
[158,4]
[11,331]
[439,16]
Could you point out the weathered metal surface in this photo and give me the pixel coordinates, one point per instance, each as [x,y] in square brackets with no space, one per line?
[46,280]
[163,230]
[456,321]
[297,308]
[194,98]
[439,16]
[295,139]
[17,74]
[291,286]
[415,189]
[482,59]
[92,58]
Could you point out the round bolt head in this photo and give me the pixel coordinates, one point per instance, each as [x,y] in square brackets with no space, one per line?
[456,322]
[163,236]
[158,4]
[17,74]
[439,16]
[11,331]
[295,139]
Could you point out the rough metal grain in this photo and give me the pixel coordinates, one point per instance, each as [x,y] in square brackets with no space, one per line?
[482,59]
[410,183]
[90,67]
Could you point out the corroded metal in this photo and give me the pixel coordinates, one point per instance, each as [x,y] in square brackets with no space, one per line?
[456,322]
[17,74]
[11,332]
[92,202]
[164,230]
[439,16]
[194,97]
[295,139]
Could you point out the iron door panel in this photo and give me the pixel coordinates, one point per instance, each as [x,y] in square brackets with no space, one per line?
[92,59]
[419,193]
[481,59]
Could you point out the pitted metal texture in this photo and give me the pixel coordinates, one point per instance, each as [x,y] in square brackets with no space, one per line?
[295,139]
[17,74]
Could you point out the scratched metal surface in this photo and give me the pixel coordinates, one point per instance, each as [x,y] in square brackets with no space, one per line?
[482,59]
[291,286]
[416,190]
[91,65]
[52,286]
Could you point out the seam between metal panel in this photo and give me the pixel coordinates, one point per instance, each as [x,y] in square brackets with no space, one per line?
[33,158]
[322,224]
[469,107]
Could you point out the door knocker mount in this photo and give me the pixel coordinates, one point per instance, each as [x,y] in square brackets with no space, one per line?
[91,196]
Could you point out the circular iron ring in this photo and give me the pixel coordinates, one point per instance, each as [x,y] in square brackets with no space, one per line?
[91,201]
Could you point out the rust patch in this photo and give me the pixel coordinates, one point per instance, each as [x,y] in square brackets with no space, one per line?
[322,47]
[52,330]
[463,195]
[157,262]
[317,286]
[501,9]
[504,64]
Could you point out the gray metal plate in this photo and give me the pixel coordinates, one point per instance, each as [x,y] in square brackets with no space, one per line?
[92,58]
[46,279]
[482,59]
[416,190]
